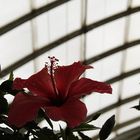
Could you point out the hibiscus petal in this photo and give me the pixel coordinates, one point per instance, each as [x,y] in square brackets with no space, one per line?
[19,83]
[24,108]
[39,84]
[65,75]
[73,112]
[85,86]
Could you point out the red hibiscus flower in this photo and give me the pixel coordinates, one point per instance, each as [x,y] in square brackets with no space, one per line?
[57,90]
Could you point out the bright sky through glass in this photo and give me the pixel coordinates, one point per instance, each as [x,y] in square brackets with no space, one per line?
[65,19]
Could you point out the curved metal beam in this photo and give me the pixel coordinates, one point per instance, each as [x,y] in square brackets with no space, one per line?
[98,57]
[31,15]
[122,125]
[132,134]
[114,105]
[123,76]
[112,51]
[66,38]
[52,5]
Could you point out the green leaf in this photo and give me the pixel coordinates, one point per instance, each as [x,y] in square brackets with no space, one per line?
[138,138]
[83,136]
[85,127]
[6,86]
[49,121]
[70,135]
[45,134]
[107,128]
[31,125]
[6,130]
[3,105]
[42,114]
[3,118]
[63,135]
[96,116]
[11,76]
[137,106]
[8,136]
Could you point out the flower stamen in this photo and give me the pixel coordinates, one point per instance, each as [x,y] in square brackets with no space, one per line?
[51,68]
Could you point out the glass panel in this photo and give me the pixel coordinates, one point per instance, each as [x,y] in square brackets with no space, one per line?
[131,86]
[15,45]
[134,24]
[13,9]
[105,38]
[66,53]
[99,9]
[133,57]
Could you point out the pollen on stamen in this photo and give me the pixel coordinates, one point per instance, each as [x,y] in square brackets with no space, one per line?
[53,62]
[53,59]
[52,65]
[51,69]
